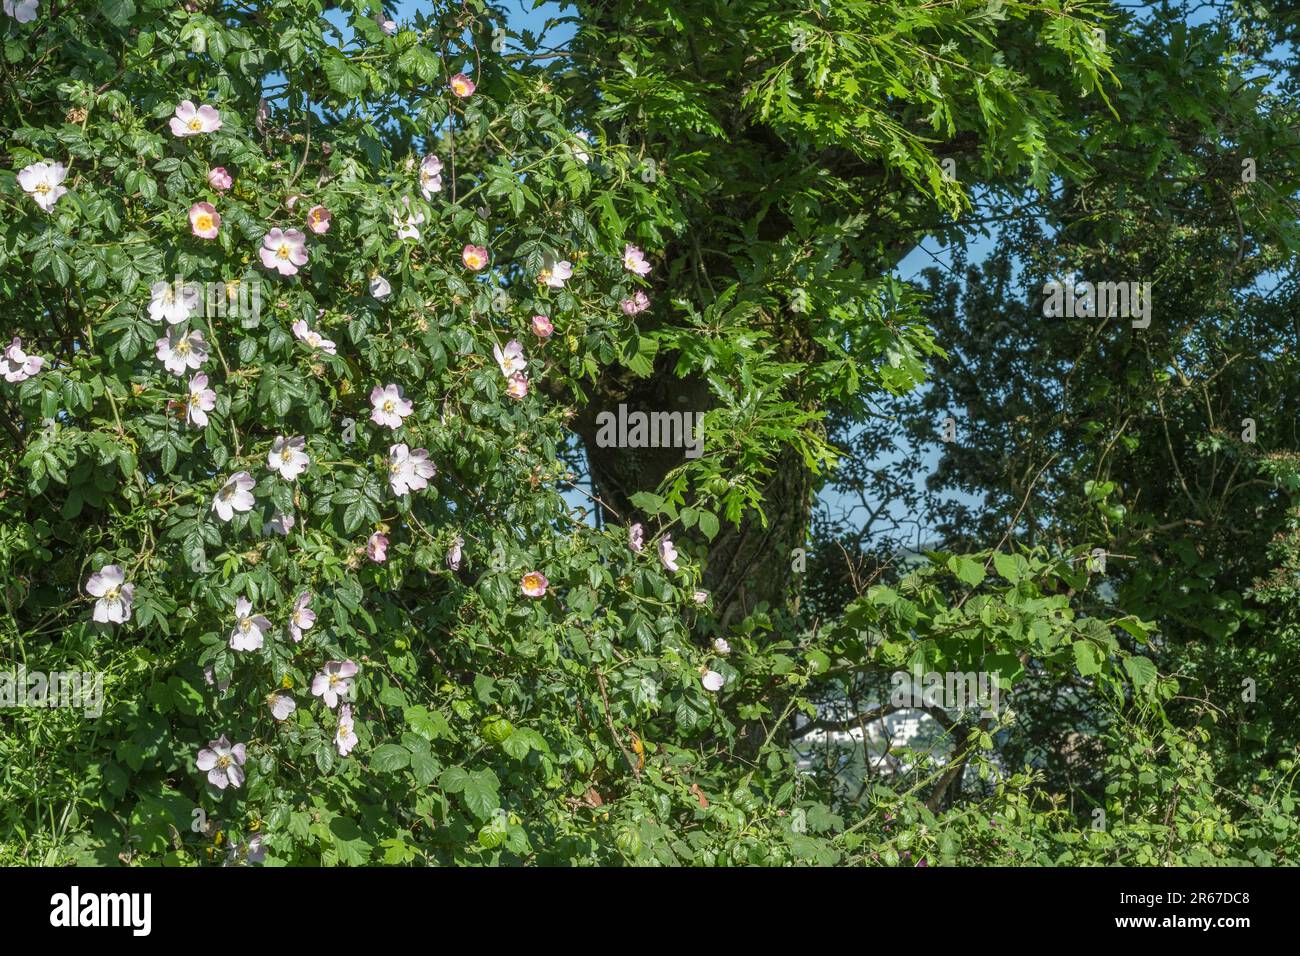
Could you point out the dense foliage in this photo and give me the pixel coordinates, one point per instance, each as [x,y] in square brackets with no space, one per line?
[316,314]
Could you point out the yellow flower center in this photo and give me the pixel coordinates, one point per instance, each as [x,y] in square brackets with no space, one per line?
[283,252]
[183,347]
[111,595]
[389,406]
[196,124]
[286,454]
[43,188]
[203,221]
[223,761]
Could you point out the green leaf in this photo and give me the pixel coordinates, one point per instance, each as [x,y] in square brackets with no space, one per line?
[424,767]
[648,502]
[970,572]
[639,355]
[1140,669]
[454,779]
[343,77]
[1140,630]
[480,793]
[430,725]
[118,12]
[389,758]
[517,745]
[349,842]
[1087,657]
[1011,567]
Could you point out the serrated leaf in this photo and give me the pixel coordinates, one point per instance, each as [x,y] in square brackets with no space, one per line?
[390,758]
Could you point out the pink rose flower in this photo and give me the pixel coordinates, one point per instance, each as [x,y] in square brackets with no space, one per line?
[44,183]
[389,406]
[282,705]
[409,470]
[430,176]
[24,11]
[474,257]
[191,121]
[667,553]
[16,365]
[304,333]
[115,596]
[542,327]
[204,220]
[219,179]
[511,358]
[636,304]
[200,401]
[250,629]
[285,252]
[319,220]
[333,682]
[223,763]
[462,86]
[556,275]
[534,584]
[235,495]
[634,260]
[345,737]
[302,617]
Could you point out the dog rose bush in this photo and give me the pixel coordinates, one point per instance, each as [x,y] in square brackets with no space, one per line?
[315,534]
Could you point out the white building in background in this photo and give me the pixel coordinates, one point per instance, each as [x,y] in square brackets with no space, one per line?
[884,738]
[899,728]
[883,735]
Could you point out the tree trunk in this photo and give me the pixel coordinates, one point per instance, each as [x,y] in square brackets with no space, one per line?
[744,567]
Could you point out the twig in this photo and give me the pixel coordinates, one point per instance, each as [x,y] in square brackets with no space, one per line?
[600,681]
